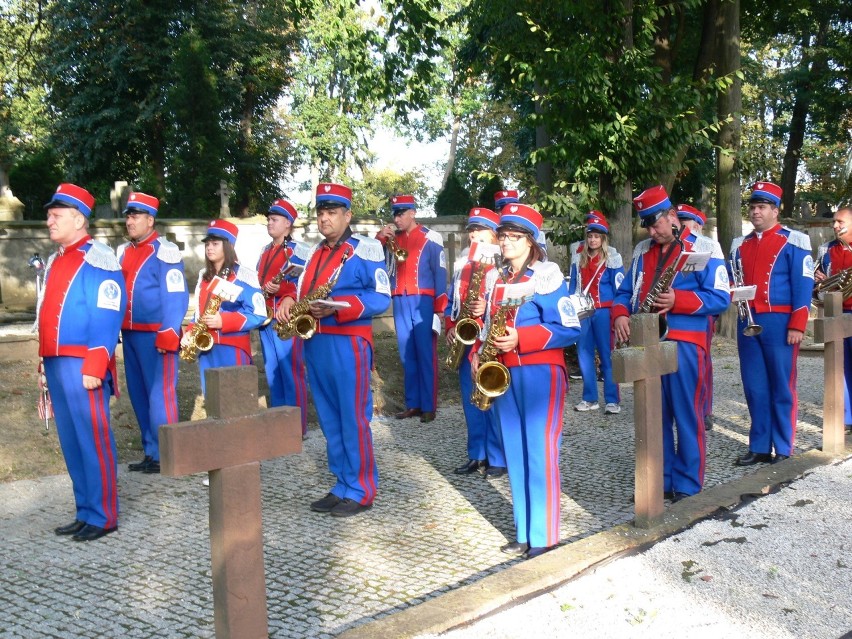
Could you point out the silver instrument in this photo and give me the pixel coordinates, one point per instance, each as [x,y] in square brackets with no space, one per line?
[743,309]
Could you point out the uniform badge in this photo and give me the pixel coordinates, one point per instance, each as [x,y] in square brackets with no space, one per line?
[443,260]
[109,295]
[382,282]
[174,281]
[722,283]
[808,267]
[619,278]
[259,304]
[567,313]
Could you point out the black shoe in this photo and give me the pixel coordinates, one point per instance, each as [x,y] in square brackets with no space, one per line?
[754,458]
[90,533]
[676,497]
[349,507]
[779,458]
[669,494]
[532,553]
[516,548]
[70,529]
[472,466]
[325,504]
[495,471]
[408,412]
[140,466]
[153,468]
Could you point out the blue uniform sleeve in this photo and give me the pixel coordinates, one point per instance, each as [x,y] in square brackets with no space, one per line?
[106,301]
[558,324]
[174,298]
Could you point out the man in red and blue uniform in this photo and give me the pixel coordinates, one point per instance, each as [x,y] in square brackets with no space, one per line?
[157,299]
[283,359]
[832,258]
[484,441]
[419,297]
[79,318]
[339,355]
[687,303]
[694,220]
[778,261]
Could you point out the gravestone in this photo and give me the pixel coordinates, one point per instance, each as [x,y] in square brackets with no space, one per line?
[230,445]
[643,363]
[830,330]
[224,194]
[118,197]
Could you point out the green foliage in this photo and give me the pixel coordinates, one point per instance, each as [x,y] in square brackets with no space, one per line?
[34,178]
[486,195]
[371,196]
[454,198]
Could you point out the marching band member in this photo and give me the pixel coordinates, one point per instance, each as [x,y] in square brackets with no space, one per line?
[283,359]
[687,302]
[596,269]
[339,356]
[530,411]
[694,220]
[833,257]
[484,443]
[79,318]
[157,299]
[419,297]
[778,261]
[231,324]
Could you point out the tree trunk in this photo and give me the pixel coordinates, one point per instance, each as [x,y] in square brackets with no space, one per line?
[451,158]
[619,215]
[543,169]
[799,118]
[729,107]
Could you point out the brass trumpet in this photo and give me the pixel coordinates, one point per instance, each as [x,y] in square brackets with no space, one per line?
[399,254]
[743,309]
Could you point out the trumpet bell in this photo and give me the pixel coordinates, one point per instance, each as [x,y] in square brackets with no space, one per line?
[752,329]
[467,330]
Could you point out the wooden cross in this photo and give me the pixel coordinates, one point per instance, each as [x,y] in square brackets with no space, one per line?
[830,330]
[644,363]
[230,445]
[224,193]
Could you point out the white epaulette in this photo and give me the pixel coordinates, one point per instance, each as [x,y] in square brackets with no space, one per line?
[369,249]
[643,247]
[575,253]
[168,252]
[435,237]
[462,260]
[736,243]
[705,244]
[301,250]
[101,256]
[822,250]
[548,277]
[798,239]
[613,259]
[491,277]
[247,276]
[120,250]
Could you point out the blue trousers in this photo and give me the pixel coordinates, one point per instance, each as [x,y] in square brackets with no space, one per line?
[418,349]
[284,364]
[707,400]
[82,423]
[596,333]
[847,374]
[530,417]
[484,440]
[768,369]
[683,413]
[220,356]
[339,374]
[152,379]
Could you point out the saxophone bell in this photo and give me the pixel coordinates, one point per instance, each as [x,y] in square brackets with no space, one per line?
[467,330]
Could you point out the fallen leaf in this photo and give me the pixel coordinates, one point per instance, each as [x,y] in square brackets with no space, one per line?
[706,578]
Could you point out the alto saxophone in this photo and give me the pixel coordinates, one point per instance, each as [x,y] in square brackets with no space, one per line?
[302,323]
[467,328]
[200,338]
[492,377]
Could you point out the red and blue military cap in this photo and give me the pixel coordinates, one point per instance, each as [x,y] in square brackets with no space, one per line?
[502,198]
[596,223]
[72,196]
[400,203]
[521,217]
[652,204]
[222,230]
[285,208]
[142,203]
[766,192]
[483,217]
[686,212]
[330,195]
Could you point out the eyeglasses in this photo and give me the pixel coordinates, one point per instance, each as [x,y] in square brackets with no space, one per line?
[512,237]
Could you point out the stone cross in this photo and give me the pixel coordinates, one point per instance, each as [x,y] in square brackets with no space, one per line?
[644,363]
[230,445]
[224,194]
[830,330]
[118,195]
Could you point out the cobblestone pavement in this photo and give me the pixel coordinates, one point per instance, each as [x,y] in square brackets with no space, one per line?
[429,532]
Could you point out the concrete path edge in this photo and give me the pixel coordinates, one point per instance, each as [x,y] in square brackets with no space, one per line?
[528,579]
